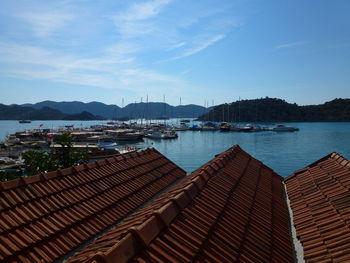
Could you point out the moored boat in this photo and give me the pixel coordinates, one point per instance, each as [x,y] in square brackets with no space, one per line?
[225,127]
[283,128]
[157,134]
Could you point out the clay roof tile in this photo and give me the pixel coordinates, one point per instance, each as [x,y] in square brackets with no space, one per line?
[320,200]
[47,216]
[231,209]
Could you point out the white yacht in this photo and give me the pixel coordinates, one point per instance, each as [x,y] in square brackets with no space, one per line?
[283,128]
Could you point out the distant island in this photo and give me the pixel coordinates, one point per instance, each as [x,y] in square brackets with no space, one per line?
[75,110]
[278,110]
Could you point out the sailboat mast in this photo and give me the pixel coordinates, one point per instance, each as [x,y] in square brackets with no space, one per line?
[142,111]
[239,109]
[164,109]
[228,112]
[146,113]
[223,112]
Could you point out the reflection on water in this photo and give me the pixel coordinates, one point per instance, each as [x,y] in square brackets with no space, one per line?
[283,152]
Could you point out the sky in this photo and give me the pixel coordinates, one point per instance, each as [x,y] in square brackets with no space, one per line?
[206,52]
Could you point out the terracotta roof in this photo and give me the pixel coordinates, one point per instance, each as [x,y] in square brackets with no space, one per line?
[320,201]
[231,209]
[44,217]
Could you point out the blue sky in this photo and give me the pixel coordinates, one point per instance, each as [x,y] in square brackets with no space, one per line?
[201,51]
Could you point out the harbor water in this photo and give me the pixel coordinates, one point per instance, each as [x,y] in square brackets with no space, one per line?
[284,152]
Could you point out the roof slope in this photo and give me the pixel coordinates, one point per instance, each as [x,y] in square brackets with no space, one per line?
[320,201]
[44,217]
[231,209]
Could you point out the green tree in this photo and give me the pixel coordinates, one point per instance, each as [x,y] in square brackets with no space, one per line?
[65,156]
[39,162]
[7,176]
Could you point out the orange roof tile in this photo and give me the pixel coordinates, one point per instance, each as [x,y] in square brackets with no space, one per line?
[44,217]
[320,200]
[231,209]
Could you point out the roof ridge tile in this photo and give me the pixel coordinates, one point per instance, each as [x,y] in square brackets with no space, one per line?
[50,175]
[61,204]
[339,158]
[33,179]
[66,171]
[101,163]
[143,234]
[144,229]
[21,181]
[12,184]
[333,155]
[80,167]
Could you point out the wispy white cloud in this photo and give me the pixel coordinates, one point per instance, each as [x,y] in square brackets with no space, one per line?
[203,45]
[142,11]
[291,44]
[44,24]
[111,46]
[177,45]
[133,21]
[199,47]
[108,71]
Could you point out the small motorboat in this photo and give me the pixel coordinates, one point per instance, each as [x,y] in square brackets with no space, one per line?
[107,145]
[166,134]
[24,121]
[247,128]
[283,128]
[169,134]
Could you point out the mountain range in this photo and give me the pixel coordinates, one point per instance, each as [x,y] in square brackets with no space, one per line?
[278,110]
[16,112]
[75,110]
[258,110]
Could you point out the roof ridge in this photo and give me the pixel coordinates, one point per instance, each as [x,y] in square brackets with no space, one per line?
[333,155]
[41,177]
[340,159]
[140,236]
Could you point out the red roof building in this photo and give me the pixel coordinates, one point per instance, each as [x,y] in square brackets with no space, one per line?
[45,217]
[142,208]
[320,200]
[231,209]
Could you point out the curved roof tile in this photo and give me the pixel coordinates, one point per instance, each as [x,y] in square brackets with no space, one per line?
[44,217]
[231,209]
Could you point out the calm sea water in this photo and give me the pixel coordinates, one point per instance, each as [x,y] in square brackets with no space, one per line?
[283,152]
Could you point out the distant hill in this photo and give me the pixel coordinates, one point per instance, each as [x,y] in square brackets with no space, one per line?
[74,107]
[159,110]
[86,116]
[278,110]
[133,110]
[16,112]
